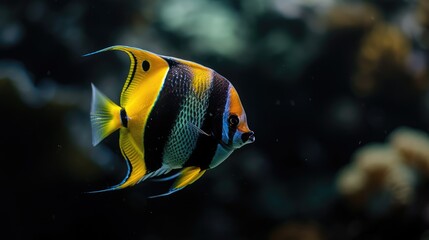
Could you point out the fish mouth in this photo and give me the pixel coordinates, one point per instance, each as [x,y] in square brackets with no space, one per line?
[248,137]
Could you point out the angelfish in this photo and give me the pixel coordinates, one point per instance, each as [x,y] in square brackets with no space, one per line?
[173,114]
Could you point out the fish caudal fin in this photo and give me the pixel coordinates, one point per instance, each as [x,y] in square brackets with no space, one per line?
[105,116]
[186,177]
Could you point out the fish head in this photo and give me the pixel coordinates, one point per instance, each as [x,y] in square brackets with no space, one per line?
[235,132]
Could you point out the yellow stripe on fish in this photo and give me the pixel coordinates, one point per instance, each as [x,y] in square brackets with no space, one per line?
[173,114]
[202,76]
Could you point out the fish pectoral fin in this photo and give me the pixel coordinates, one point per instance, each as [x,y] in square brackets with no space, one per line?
[184,178]
[199,130]
[105,116]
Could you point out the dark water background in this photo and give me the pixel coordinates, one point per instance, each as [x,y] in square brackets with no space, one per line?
[319,80]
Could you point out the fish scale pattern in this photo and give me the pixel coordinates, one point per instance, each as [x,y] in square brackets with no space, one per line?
[183,137]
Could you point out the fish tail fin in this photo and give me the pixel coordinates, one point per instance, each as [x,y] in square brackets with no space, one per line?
[186,177]
[105,116]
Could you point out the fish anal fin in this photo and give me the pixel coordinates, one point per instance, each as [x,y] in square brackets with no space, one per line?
[135,162]
[135,159]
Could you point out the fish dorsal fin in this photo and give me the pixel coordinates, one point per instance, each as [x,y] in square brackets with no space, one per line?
[147,73]
[145,67]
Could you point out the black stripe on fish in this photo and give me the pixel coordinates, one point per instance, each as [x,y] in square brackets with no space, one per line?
[164,113]
[206,146]
[231,132]
[124,117]
[134,70]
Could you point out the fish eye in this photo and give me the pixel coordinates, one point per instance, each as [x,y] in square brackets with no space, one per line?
[145,65]
[233,120]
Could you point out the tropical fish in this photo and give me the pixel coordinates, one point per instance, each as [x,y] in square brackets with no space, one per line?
[173,114]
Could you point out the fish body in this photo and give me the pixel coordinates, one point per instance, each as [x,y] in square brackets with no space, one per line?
[173,114]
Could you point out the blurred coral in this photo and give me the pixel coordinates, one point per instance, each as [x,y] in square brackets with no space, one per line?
[388,167]
[422,13]
[375,168]
[177,17]
[318,78]
[381,60]
[296,231]
[387,62]
[299,9]
[352,182]
[413,145]
[352,16]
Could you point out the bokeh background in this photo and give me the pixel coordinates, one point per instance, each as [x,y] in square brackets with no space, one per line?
[337,92]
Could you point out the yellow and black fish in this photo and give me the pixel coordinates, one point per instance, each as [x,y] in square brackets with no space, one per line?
[173,114]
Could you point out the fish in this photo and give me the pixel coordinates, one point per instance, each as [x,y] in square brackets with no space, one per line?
[173,114]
